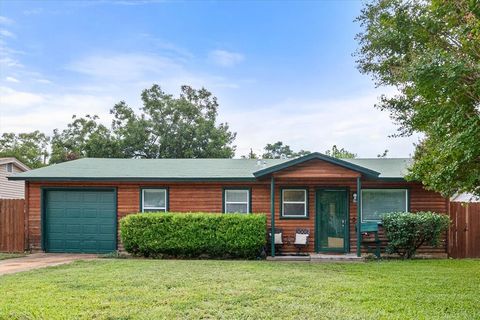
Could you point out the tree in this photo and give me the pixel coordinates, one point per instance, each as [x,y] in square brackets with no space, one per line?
[383,155]
[430,52]
[250,155]
[168,127]
[84,137]
[29,148]
[340,153]
[278,150]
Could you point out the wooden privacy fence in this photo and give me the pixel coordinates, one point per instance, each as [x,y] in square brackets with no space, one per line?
[12,225]
[464,232]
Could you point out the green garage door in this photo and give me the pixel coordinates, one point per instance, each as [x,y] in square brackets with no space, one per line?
[80,221]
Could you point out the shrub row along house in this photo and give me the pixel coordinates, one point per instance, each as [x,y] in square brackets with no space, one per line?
[75,206]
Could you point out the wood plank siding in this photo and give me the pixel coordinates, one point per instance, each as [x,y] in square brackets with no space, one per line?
[207,197]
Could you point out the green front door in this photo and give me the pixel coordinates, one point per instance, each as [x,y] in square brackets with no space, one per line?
[331,220]
[81,221]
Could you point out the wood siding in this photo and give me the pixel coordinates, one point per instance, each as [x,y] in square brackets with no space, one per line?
[11,189]
[207,197]
[316,169]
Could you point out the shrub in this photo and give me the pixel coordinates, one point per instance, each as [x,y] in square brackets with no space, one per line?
[194,234]
[406,232]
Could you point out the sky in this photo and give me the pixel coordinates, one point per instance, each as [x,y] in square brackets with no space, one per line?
[281,70]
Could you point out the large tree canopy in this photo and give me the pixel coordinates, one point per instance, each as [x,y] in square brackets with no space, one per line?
[29,148]
[430,52]
[84,137]
[167,127]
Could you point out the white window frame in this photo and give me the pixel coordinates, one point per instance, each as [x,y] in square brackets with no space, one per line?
[304,202]
[236,202]
[407,195]
[9,167]
[155,208]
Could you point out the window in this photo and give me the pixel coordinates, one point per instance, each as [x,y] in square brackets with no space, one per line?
[9,167]
[377,202]
[154,200]
[294,203]
[237,201]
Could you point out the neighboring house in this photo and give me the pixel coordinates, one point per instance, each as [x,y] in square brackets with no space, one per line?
[75,206]
[11,189]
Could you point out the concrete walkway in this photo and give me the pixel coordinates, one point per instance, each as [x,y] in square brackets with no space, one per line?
[40,260]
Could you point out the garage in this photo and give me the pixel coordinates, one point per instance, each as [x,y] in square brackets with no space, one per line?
[80,220]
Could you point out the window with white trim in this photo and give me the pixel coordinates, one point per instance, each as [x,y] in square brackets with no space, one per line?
[378,202]
[237,201]
[154,200]
[9,167]
[294,203]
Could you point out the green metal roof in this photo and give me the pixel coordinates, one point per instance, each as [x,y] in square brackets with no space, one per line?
[195,169]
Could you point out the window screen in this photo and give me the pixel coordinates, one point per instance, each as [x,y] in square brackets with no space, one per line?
[294,203]
[154,200]
[237,201]
[377,202]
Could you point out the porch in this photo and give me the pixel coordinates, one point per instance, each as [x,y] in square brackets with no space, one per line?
[320,197]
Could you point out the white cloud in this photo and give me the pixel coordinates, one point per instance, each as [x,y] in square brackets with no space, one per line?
[351,123]
[10,98]
[33,11]
[123,67]
[12,79]
[43,81]
[225,58]
[28,111]
[6,33]
[4,20]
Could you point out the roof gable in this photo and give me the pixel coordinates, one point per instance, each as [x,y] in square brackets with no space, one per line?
[16,162]
[316,156]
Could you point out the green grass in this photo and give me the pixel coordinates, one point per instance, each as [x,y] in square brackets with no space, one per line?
[4,256]
[146,289]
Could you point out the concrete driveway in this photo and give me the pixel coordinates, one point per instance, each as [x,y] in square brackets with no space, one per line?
[40,260]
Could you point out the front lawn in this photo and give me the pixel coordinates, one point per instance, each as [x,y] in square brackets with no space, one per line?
[148,289]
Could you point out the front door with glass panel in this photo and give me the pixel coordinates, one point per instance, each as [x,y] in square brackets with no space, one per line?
[332,220]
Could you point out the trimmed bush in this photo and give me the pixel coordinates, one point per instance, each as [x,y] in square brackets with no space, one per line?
[406,232]
[194,235]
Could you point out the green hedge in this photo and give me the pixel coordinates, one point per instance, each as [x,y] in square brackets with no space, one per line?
[194,235]
[406,232]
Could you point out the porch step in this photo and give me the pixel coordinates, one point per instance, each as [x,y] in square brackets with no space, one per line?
[289,258]
[320,257]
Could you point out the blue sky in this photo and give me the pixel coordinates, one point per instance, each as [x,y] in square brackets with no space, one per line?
[281,70]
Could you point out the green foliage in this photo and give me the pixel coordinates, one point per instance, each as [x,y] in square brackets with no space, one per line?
[250,155]
[406,232]
[29,148]
[170,127]
[194,234]
[84,137]
[278,150]
[430,52]
[167,127]
[340,153]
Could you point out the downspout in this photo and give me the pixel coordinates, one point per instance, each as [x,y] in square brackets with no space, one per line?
[272,211]
[359,216]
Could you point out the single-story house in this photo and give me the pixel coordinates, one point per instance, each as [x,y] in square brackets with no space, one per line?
[75,206]
[11,189]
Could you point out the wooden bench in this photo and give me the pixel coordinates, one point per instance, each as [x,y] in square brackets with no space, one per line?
[367,228]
